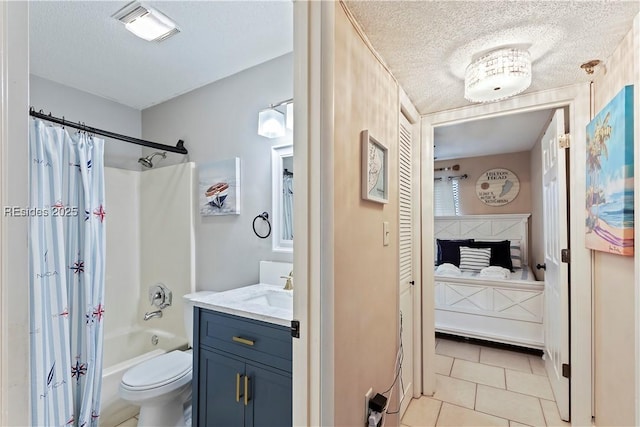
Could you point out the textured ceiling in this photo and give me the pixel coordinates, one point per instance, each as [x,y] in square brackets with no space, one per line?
[428,44]
[78,44]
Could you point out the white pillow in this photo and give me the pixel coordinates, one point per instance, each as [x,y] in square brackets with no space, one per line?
[516,254]
[474,259]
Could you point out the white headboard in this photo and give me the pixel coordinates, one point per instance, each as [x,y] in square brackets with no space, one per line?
[486,227]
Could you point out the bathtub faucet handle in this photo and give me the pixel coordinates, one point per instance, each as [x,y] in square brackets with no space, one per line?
[160,295]
[157,296]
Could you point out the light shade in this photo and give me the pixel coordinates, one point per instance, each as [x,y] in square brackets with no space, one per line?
[145,22]
[498,75]
[271,123]
[290,116]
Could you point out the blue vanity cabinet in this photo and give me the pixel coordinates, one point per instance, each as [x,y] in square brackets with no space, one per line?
[241,371]
[215,398]
[272,403]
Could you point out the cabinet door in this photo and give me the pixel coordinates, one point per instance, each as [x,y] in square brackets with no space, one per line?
[221,383]
[269,397]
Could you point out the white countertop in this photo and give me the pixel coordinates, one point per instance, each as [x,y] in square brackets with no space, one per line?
[248,302]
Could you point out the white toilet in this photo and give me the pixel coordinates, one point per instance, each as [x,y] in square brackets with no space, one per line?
[162,385]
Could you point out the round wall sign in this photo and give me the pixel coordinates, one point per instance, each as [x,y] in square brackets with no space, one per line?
[497,187]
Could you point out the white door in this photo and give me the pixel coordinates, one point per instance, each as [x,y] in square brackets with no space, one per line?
[556,290]
[406,257]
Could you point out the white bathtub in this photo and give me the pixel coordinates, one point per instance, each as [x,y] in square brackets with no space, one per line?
[122,351]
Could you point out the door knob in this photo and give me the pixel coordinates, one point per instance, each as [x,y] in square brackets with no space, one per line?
[541,267]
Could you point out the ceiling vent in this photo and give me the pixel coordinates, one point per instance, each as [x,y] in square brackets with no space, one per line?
[146,22]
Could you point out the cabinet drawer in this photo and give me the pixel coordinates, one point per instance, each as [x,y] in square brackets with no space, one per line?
[247,338]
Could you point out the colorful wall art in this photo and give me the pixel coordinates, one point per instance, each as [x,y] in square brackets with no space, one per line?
[609,198]
[219,188]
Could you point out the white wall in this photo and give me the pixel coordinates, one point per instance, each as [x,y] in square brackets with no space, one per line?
[616,362]
[149,240]
[79,106]
[167,212]
[122,274]
[217,122]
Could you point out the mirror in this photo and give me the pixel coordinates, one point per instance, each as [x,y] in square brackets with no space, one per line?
[282,191]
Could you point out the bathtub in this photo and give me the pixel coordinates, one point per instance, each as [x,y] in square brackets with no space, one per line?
[122,351]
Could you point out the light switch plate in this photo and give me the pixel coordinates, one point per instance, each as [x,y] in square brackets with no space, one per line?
[385,233]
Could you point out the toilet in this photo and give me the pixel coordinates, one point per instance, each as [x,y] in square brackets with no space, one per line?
[161,386]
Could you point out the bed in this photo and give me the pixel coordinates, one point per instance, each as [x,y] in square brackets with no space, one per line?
[508,310]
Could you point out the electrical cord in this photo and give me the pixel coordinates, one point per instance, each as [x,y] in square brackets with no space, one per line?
[399,359]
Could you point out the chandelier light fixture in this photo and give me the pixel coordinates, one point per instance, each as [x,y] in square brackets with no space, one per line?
[498,75]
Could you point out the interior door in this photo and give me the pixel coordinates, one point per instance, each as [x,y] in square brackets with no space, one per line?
[556,319]
[406,258]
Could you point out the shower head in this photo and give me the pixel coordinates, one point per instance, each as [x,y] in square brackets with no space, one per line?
[146,161]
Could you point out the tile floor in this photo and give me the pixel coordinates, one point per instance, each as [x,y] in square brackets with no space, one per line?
[131,422]
[485,386]
[480,386]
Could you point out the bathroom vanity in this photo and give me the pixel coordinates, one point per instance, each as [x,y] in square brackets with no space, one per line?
[242,358]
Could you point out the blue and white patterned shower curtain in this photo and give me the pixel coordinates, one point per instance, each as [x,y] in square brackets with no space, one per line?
[66,262]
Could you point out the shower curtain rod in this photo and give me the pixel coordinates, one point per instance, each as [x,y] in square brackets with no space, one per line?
[179,148]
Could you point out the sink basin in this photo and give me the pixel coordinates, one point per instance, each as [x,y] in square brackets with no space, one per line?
[272,298]
[261,301]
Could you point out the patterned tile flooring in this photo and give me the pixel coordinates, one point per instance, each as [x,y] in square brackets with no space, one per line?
[485,386]
[480,386]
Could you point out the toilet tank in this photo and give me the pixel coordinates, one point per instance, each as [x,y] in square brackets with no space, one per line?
[188,312]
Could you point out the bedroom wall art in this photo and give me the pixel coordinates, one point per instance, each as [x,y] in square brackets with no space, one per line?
[219,188]
[375,169]
[609,198]
[497,187]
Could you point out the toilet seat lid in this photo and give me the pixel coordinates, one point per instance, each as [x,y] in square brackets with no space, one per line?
[158,371]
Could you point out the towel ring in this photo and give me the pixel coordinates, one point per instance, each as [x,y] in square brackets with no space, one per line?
[264,216]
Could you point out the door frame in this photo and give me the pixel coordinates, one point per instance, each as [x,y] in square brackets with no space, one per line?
[14,134]
[313,364]
[576,97]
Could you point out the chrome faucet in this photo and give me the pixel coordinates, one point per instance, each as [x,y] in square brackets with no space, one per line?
[289,285]
[152,314]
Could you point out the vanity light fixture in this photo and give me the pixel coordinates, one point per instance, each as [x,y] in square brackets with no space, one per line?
[498,75]
[271,121]
[290,116]
[146,22]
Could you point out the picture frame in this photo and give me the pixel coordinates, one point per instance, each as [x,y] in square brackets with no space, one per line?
[375,169]
[219,187]
[609,180]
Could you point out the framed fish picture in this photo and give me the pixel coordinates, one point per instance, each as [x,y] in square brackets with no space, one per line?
[219,188]
[609,198]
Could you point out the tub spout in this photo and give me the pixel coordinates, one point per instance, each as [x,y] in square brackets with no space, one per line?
[151,314]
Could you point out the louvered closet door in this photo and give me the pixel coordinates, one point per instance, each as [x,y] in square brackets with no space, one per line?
[406,255]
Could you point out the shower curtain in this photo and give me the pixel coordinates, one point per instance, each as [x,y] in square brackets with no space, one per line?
[66,264]
[287,207]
